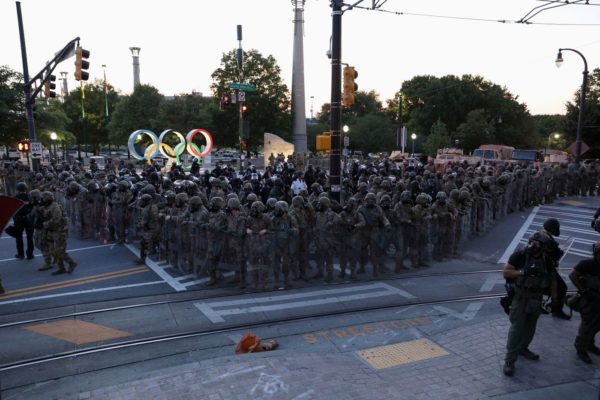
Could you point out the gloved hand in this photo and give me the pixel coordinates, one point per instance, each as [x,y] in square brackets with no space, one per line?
[530,271]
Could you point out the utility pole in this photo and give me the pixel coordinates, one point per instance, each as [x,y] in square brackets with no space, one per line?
[240,63]
[27,87]
[399,141]
[336,88]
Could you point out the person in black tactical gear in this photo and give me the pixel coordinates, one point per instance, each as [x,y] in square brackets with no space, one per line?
[586,278]
[530,271]
[552,229]
[23,223]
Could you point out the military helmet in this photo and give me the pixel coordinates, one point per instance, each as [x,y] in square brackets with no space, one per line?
[247,187]
[297,201]
[251,198]
[93,186]
[370,198]
[282,206]
[315,188]
[183,197]
[233,203]
[196,201]
[22,187]
[464,195]
[218,202]
[146,198]
[47,196]
[124,184]
[422,199]
[35,194]
[39,176]
[553,226]
[441,196]
[149,189]
[455,194]
[258,206]
[271,201]
[170,195]
[385,199]
[232,196]
[406,195]
[325,202]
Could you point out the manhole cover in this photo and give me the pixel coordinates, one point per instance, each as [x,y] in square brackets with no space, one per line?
[401,353]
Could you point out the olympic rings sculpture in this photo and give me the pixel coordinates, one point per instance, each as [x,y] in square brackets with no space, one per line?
[158,147]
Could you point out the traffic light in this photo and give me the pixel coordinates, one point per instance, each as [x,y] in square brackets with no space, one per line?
[23,146]
[350,87]
[81,64]
[49,86]
[224,102]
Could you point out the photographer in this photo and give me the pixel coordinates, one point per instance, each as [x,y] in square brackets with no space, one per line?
[586,278]
[529,269]
[23,223]
[551,229]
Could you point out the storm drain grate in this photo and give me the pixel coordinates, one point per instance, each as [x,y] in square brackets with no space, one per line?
[401,353]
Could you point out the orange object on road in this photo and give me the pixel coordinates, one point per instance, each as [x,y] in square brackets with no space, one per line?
[251,343]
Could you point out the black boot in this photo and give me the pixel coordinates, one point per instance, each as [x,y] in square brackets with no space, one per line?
[584,356]
[509,368]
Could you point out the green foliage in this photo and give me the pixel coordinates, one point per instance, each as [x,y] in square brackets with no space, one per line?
[13,124]
[590,132]
[437,139]
[140,110]
[269,107]
[372,133]
[476,130]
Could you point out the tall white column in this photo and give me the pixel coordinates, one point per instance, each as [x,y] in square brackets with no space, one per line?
[298,98]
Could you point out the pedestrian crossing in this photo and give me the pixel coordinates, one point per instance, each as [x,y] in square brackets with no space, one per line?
[577,235]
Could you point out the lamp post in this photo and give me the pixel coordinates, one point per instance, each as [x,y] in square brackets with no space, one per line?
[554,135]
[413,137]
[345,129]
[53,137]
[559,61]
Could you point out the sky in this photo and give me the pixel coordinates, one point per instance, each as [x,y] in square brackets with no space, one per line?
[182,42]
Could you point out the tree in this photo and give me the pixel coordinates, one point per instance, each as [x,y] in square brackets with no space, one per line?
[187,111]
[140,110]
[437,139]
[476,130]
[87,111]
[269,107]
[590,132]
[13,123]
[372,133]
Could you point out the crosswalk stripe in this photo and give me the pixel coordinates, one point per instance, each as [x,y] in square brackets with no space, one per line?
[569,208]
[570,229]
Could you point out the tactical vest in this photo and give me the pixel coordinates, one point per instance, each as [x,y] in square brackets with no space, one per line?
[541,280]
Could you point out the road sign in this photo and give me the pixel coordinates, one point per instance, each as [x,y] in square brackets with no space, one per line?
[242,86]
[573,148]
[36,149]
[241,96]
[346,141]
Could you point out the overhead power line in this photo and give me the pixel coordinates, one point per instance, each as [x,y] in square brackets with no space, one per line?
[474,19]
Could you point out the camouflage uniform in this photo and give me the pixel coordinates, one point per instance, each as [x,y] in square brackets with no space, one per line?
[257,244]
[55,227]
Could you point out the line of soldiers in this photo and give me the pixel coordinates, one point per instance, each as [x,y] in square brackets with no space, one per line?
[253,223]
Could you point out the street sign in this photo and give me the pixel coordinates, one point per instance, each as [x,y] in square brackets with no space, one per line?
[241,96]
[36,149]
[346,141]
[242,86]
[573,148]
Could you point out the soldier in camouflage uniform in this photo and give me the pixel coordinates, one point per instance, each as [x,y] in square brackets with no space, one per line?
[55,226]
[215,236]
[443,221]
[148,225]
[351,225]
[167,210]
[376,222]
[257,244]
[236,233]
[285,233]
[405,218]
[119,205]
[300,252]
[421,218]
[326,222]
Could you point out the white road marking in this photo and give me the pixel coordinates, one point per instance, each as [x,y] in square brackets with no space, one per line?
[50,296]
[491,281]
[467,315]
[159,271]
[563,228]
[515,242]
[234,373]
[215,315]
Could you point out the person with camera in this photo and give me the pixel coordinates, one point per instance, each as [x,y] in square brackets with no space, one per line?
[586,278]
[551,229]
[530,272]
[23,223]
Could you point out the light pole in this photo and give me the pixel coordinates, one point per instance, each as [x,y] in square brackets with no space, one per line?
[135,53]
[53,137]
[559,61]
[554,135]
[413,137]
[345,129]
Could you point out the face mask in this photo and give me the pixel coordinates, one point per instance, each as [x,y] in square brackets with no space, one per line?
[318,207]
[253,212]
[178,203]
[385,206]
[278,213]
[348,209]
[370,205]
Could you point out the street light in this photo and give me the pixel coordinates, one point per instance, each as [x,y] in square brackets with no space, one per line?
[53,137]
[559,61]
[554,135]
[413,137]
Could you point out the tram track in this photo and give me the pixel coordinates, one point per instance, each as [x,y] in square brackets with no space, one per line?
[77,314]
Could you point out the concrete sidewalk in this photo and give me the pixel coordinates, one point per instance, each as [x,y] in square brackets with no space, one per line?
[304,368]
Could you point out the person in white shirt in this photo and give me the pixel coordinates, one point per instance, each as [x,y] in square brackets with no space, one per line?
[298,184]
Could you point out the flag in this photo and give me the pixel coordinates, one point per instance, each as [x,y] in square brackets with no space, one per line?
[8,206]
